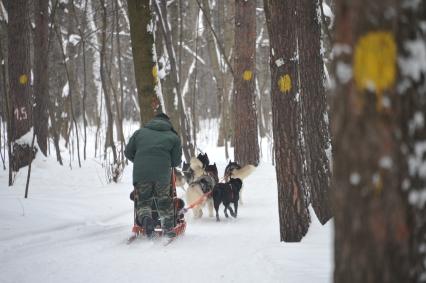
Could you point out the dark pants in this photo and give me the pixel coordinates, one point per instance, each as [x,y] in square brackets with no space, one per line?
[160,194]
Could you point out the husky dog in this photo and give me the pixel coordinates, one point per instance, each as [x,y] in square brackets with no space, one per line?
[211,170]
[227,193]
[180,178]
[234,170]
[188,173]
[197,167]
[204,178]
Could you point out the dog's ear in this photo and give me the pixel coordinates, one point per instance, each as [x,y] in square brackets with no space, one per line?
[207,160]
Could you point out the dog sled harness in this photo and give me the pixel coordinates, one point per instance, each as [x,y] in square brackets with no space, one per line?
[231,190]
[206,183]
[196,202]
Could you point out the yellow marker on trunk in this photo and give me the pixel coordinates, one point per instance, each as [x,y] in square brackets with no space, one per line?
[155,72]
[284,83]
[247,75]
[23,79]
[375,63]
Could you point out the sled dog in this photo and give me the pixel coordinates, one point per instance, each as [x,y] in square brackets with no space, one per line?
[204,178]
[227,193]
[234,170]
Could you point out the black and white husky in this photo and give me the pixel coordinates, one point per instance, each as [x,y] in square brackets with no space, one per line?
[236,171]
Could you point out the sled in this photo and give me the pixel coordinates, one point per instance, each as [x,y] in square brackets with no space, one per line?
[180,223]
[179,229]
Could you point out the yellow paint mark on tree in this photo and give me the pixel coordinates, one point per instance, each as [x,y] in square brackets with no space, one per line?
[155,72]
[378,184]
[23,79]
[247,75]
[284,83]
[375,63]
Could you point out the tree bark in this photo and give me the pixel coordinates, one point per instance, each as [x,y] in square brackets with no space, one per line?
[142,45]
[187,146]
[246,150]
[19,80]
[109,141]
[73,122]
[315,117]
[212,49]
[81,29]
[41,74]
[120,108]
[378,151]
[294,215]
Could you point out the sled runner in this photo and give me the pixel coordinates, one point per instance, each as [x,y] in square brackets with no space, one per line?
[179,220]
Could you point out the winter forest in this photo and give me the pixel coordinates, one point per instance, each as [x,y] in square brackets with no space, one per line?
[317,106]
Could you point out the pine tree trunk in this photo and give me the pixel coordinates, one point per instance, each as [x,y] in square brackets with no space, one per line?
[143,58]
[413,112]
[19,80]
[41,74]
[378,147]
[246,149]
[315,116]
[294,215]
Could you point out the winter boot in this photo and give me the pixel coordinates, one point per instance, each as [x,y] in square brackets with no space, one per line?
[148,226]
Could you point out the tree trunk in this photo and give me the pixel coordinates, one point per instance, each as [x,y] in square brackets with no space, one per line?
[315,117]
[120,108]
[7,103]
[109,141]
[71,90]
[187,146]
[81,29]
[226,131]
[19,80]
[378,147]
[142,45]
[41,74]
[213,55]
[294,215]
[246,149]
[413,111]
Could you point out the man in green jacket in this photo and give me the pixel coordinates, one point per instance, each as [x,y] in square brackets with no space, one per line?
[154,150]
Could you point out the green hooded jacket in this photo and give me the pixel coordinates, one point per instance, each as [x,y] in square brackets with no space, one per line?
[154,149]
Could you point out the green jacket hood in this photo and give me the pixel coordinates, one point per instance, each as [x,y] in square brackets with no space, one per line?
[159,124]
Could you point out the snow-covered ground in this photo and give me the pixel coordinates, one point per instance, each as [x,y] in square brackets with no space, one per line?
[74,226]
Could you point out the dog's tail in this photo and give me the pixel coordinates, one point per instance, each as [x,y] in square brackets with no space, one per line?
[244,172]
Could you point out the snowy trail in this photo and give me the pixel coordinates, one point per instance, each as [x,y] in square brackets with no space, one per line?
[73,228]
